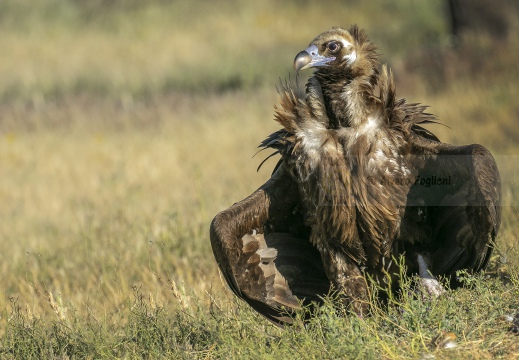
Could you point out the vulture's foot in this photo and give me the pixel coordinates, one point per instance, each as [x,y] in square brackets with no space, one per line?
[428,281]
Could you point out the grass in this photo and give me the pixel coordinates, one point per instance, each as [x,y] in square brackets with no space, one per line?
[126,126]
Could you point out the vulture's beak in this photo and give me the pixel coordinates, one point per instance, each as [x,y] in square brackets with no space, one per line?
[310,58]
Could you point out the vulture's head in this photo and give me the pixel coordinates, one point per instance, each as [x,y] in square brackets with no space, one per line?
[339,51]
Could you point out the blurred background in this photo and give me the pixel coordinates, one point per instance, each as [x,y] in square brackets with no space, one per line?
[126,125]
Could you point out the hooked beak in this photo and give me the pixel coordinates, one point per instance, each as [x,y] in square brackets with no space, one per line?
[310,58]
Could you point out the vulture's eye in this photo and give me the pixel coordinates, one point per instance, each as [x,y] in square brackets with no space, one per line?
[333,46]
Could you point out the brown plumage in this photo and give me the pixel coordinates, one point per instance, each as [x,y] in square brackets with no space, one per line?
[360,183]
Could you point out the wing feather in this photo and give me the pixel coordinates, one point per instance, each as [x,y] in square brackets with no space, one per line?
[272,272]
[465,211]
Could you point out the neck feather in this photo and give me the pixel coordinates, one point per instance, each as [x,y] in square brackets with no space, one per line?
[348,97]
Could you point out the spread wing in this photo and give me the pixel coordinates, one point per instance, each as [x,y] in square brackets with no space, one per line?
[461,187]
[454,207]
[264,253]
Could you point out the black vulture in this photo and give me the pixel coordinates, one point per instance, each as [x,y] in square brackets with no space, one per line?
[360,183]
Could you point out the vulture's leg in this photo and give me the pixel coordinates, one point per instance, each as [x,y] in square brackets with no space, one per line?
[428,281]
[346,276]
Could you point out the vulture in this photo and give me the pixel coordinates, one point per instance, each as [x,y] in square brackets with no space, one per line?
[360,187]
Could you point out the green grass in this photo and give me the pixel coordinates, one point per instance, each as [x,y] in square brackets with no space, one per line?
[125,126]
[210,327]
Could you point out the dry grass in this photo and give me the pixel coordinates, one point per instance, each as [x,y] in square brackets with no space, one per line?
[119,204]
[124,129]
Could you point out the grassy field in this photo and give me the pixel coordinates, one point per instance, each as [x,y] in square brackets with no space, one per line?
[125,126]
